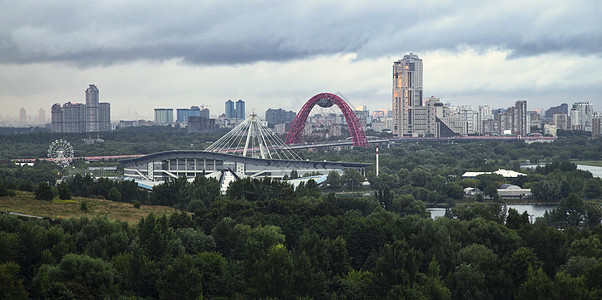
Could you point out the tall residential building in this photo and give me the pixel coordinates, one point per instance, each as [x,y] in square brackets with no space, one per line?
[407,94]
[22,115]
[581,116]
[56,117]
[200,124]
[240,110]
[279,116]
[230,109]
[515,120]
[182,114]
[449,122]
[92,98]
[363,115]
[466,113]
[534,119]
[205,113]
[437,120]
[74,117]
[483,115]
[41,116]
[104,116]
[93,116]
[561,121]
[560,109]
[424,118]
[597,124]
[380,114]
[163,116]
[521,121]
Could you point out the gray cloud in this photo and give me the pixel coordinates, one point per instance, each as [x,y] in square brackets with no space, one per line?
[226,32]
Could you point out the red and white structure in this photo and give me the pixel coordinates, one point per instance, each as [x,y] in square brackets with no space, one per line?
[327,100]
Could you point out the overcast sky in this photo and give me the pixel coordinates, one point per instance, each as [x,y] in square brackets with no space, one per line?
[277,54]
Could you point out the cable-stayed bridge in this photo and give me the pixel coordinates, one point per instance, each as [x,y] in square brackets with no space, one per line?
[248,150]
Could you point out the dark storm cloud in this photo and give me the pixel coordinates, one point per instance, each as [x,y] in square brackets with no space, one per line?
[225,32]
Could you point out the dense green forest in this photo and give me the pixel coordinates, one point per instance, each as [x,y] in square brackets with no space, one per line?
[265,240]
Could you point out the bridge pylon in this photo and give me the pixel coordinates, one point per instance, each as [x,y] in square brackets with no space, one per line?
[251,139]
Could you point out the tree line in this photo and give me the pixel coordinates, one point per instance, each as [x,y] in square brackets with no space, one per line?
[432,171]
[138,140]
[263,239]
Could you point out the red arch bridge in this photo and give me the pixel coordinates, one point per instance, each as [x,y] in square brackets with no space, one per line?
[327,100]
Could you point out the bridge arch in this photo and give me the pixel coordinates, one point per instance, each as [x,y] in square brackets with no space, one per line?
[327,100]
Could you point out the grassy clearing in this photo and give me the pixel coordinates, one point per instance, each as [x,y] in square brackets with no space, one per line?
[25,202]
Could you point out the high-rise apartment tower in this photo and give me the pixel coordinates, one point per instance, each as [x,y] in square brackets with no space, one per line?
[520,118]
[92,107]
[22,115]
[230,109]
[163,116]
[581,116]
[240,110]
[407,93]
[93,116]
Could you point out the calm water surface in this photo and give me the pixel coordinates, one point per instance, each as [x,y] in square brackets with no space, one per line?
[596,171]
[534,211]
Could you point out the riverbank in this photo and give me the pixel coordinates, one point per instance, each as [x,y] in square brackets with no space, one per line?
[595,163]
[492,202]
[534,211]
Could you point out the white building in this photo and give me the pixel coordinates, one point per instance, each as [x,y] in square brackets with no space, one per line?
[502,172]
[511,191]
[549,129]
[581,116]
[466,113]
[484,114]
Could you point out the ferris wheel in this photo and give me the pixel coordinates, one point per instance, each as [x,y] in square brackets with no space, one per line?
[61,152]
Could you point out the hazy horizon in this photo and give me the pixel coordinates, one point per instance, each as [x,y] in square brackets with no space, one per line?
[276,54]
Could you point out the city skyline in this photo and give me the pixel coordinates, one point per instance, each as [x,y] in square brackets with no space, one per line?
[474,53]
[93,116]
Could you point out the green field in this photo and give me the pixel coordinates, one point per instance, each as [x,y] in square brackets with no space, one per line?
[25,203]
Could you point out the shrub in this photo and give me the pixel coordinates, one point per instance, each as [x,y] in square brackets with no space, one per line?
[84,206]
[114,194]
[64,192]
[44,191]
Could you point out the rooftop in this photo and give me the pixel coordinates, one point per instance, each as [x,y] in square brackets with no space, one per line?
[502,172]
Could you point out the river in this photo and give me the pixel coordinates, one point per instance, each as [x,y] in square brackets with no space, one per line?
[534,211]
[596,171]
